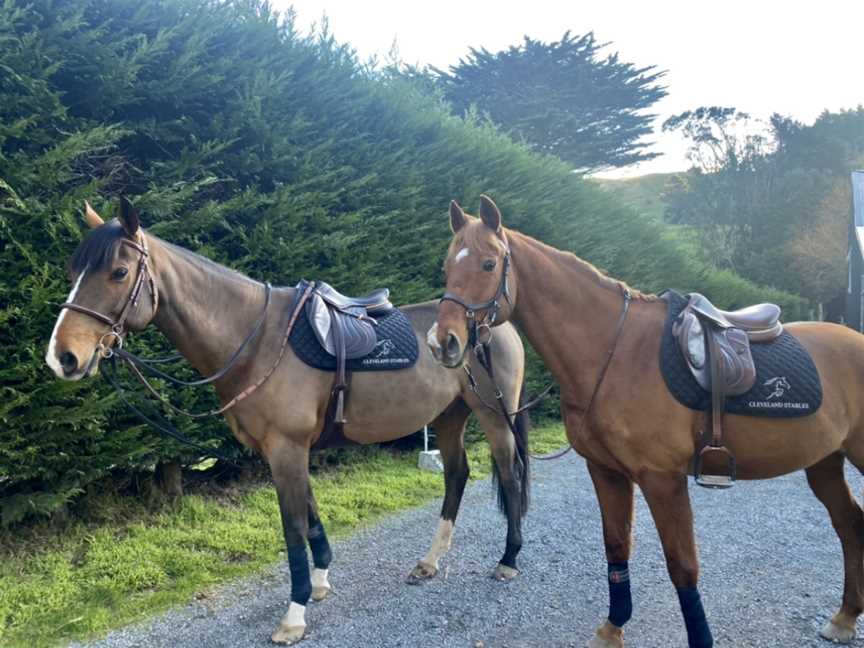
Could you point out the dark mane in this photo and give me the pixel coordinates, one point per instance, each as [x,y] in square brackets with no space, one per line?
[98,249]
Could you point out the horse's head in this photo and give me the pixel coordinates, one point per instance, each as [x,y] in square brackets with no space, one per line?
[481,290]
[110,273]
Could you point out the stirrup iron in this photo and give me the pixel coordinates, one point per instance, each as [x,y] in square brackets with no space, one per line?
[715,481]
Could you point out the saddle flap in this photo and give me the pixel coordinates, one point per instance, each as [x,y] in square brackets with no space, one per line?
[359,334]
[738,368]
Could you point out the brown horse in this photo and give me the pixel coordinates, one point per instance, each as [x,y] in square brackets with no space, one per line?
[636,432]
[124,279]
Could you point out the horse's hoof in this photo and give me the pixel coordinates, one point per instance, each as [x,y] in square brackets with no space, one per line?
[608,636]
[287,635]
[421,572]
[837,633]
[320,593]
[504,573]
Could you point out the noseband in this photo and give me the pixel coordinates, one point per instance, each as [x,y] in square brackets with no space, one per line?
[118,326]
[481,333]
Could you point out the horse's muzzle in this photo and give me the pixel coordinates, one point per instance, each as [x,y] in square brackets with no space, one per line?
[451,353]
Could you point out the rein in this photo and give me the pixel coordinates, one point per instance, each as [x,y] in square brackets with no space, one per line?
[480,338]
[134,362]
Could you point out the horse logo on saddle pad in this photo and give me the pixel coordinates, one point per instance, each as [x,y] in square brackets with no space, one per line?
[780,386]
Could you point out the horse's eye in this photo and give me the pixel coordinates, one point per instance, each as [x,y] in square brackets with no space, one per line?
[489,265]
[119,274]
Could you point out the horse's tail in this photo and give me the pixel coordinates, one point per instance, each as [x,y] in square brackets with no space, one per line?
[521,424]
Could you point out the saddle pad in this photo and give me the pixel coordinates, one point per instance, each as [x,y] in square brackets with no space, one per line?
[396,347]
[787,381]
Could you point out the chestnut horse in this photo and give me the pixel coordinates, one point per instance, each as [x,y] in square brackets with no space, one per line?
[124,279]
[630,429]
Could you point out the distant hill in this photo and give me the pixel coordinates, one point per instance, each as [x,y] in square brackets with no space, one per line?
[643,193]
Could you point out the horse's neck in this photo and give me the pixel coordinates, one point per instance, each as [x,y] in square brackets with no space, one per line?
[206,311]
[568,312]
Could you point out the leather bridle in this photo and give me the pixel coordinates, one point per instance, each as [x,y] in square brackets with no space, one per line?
[481,333]
[118,326]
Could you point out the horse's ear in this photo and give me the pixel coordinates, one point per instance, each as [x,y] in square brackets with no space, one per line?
[489,214]
[457,217]
[92,218]
[128,217]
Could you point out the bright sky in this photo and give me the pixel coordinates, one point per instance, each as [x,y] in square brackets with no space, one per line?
[761,56]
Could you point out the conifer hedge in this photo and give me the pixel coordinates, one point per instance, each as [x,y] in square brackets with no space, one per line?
[274,152]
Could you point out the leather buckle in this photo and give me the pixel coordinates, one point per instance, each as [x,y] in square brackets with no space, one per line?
[715,454]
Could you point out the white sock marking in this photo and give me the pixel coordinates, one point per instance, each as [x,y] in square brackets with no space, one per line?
[319,578]
[440,543]
[296,615]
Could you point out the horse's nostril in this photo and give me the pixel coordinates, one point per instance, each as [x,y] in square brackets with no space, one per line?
[453,346]
[68,361]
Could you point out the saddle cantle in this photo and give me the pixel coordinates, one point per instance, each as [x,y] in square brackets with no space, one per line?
[376,303]
[761,322]
[716,347]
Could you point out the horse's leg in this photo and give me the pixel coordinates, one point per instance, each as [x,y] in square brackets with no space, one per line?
[615,495]
[829,485]
[289,463]
[507,465]
[669,502]
[449,433]
[321,554]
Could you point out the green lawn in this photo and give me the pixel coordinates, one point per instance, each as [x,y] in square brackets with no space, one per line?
[85,578]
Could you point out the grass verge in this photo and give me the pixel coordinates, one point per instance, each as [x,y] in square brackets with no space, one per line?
[59,584]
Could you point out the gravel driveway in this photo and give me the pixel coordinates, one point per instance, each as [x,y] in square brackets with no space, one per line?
[771,575]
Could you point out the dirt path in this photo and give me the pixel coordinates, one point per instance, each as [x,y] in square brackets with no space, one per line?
[771,574]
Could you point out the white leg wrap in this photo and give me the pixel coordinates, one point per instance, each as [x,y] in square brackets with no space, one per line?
[319,578]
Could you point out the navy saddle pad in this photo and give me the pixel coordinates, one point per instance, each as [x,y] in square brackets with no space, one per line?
[396,347]
[787,381]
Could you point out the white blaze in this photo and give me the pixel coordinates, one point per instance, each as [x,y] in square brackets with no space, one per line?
[464,252]
[51,356]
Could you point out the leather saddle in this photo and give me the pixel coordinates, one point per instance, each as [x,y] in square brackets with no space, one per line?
[716,345]
[346,325]
[345,328]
